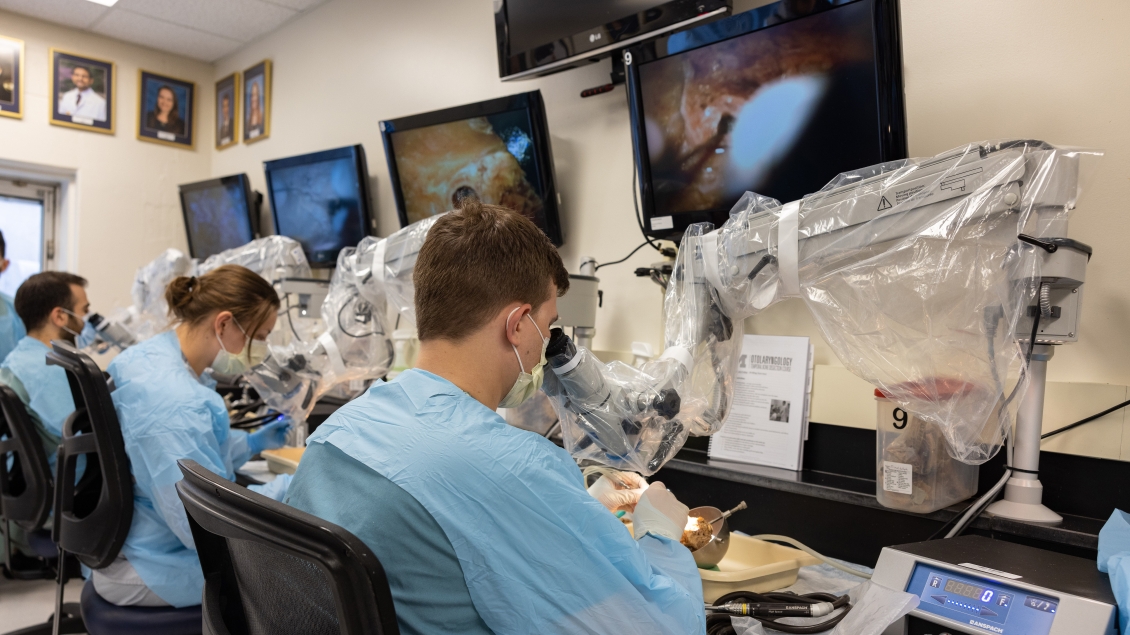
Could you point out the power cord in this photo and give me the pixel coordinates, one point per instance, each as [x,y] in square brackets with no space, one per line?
[1085,421]
[616,262]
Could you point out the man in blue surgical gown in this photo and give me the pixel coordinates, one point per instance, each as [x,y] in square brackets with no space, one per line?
[12,328]
[483,527]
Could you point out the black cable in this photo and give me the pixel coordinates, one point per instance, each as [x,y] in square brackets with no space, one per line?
[1087,420]
[616,262]
[720,624]
[254,421]
[1032,340]
[636,202]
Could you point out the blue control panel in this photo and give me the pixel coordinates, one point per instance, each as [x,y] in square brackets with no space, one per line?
[986,605]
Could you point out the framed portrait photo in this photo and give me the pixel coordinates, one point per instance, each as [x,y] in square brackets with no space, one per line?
[11,77]
[257,102]
[166,109]
[227,111]
[82,92]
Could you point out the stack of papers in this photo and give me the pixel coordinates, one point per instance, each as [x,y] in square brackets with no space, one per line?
[768,420]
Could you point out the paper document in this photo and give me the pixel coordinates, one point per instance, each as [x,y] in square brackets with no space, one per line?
[768,420]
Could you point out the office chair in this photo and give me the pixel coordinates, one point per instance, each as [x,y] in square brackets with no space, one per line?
[272,569]
[25,488]
[92,517]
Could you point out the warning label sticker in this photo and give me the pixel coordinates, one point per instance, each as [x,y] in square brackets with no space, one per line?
[884,204]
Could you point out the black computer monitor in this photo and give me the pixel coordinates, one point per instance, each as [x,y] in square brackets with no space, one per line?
[322,201]
[218,214]
[778,100]
[496,150]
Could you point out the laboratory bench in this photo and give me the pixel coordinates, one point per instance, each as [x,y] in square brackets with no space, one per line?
[831,504]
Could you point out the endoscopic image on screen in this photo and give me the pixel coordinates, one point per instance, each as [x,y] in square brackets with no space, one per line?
[491,157]
[779,111]
[317,204]
[217,219]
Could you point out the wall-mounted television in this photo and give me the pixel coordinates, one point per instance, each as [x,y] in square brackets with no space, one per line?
[778,100]
[219,214]
[539,37]
[322,201]
[497,150]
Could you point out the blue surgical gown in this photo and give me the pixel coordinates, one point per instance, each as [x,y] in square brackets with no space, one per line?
[167,413]
[537,552]
[44,389]
[11,326]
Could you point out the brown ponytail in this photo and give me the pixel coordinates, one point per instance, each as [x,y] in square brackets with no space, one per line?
[249,297]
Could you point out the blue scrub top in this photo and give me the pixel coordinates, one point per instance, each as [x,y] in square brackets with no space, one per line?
[46,391]
[167,413]
[538,554]
[11,326]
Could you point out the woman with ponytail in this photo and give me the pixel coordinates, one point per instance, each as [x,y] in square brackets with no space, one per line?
[169,410]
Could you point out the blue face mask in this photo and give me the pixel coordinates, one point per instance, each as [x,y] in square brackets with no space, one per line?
[84,338]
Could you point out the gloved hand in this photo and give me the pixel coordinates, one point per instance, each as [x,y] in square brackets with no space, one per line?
[269,437]
[659,513]
[615,497]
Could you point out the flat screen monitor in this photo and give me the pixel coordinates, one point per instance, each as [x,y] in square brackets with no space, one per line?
[496,150]
[321,200]
[218,214]
[776,100]
[539,37]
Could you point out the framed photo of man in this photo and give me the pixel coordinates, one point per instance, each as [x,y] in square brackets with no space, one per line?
[82,92]
[257,102]
[166,110]
[11,77]
[227,111]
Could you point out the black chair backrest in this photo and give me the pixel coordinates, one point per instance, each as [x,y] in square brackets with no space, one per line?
[272,569]
[93,516]
[26,487]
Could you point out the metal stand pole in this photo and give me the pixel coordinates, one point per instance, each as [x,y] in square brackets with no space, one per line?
[1023,494]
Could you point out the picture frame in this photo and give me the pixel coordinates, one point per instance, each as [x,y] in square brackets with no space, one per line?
[11,77]
[166,111]
[257,102]
[227,111]
[94,109]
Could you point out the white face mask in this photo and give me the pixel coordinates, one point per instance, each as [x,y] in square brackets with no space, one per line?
[231,365]
[527,383]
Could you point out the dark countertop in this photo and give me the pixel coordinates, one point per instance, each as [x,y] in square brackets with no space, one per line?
[1076,531]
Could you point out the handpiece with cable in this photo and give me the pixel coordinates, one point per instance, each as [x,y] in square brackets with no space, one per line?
[768,608]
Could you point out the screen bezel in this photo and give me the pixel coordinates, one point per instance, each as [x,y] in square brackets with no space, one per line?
[891,102]
[534,106]
[597,42]
[357,154]
[224,182]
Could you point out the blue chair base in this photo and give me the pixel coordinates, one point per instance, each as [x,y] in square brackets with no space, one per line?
[104,618]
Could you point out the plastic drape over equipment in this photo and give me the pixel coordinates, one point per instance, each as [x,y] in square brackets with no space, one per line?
[355,345]
[913,271]
[149,313]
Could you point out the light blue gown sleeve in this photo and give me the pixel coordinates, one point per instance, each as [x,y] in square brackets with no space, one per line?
[669,557]
[238,451]
[154,457]
[276,489]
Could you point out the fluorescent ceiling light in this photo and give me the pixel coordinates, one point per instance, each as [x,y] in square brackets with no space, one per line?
[105,3]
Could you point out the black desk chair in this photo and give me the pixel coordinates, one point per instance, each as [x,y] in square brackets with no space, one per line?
[92,517]
[272,569]
[26,489]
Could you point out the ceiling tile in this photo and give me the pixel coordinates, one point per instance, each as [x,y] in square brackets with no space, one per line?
[75,13]
[164,36]
[297,5]
[242,20]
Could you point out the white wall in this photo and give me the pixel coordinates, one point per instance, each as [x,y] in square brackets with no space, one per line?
[125,197]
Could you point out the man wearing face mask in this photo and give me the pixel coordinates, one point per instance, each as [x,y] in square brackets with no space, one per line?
[52,303]
[482,527]
[169,410]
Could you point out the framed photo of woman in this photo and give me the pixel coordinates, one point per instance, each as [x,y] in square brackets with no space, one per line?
[257,102]
[82,92]
[165,110]
[227,111]
[11,77]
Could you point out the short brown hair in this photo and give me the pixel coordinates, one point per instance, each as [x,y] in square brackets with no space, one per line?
[42,293]
[477,260]
[249,297]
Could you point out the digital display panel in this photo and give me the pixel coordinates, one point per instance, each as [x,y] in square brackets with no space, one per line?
[779,111]
[492,157]
[985,605]
[216,216]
